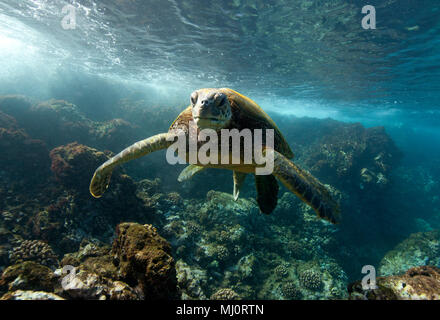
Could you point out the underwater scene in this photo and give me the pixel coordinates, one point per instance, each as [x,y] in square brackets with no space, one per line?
[116,182]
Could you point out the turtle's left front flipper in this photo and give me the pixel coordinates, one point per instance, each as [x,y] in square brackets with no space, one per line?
[101,178]
[306,187]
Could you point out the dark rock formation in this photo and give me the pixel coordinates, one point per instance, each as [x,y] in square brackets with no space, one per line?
[73,165]
[144,260]
[20,154]
[139,266]
[27,275]
[420,283]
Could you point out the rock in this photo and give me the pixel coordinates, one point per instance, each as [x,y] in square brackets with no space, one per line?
[28,275]
[15,105]
[86,285]
[21,154]
[144,260]
[4,256]
[87,251]
[89,274]
[341,154]
[7,121]
[73,165]
[420,283]
[114,133]
[139,266]
[58,122]
[30,295]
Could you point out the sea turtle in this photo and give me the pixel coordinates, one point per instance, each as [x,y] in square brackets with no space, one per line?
[227,109]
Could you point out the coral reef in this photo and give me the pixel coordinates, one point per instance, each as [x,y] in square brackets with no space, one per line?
[281,270]
[420,283]
[239,248]
[217,242]
[59,122]
[34,250]
[419,249]
[290,291]
[138,266]
[225,294]
[192,281]
[71,213]
[310,279]
[296,249]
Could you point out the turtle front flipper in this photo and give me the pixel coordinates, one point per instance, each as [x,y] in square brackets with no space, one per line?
[100,181]
[238,178]
[189,172]
[102,175]
[306,187]
[267,193]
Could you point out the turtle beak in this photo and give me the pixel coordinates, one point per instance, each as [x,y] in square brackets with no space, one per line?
[208,122]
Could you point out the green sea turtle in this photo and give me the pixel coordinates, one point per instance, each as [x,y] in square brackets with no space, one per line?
[226,109]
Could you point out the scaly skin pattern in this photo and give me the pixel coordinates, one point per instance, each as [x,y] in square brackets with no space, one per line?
[306,187]
[101,178]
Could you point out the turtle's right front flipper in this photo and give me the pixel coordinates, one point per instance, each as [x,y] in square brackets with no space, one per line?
[101,178]
[306,187]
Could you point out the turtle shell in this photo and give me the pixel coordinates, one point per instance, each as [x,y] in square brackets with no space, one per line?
[246,114]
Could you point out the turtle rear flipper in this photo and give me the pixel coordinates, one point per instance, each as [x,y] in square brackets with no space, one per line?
[306,187]
[267,193]
[238,178]
[101,178]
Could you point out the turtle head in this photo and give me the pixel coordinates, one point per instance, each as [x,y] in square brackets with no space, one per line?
[211,109]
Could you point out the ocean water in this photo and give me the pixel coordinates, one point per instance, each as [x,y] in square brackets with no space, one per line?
[360,108]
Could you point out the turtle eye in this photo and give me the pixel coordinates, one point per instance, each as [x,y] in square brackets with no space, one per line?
[220,99]
[194,98]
